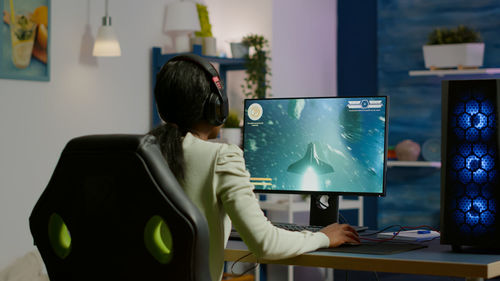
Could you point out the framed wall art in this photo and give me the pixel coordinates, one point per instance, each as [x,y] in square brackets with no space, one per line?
[25,39]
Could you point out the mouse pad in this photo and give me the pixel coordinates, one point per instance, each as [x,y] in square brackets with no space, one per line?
[384,248]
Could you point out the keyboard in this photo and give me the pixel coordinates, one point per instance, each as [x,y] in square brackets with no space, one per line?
[297,227]
[293,227]
[312,228]
[287,226]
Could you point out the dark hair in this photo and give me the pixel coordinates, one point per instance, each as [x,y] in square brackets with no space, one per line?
[181,90]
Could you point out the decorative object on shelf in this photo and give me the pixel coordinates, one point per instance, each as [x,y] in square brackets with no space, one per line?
[459,48]
[391,153]
[207,40]
[231,131]
[431,150]
[239,50]
[205,26]
[407,150]
[24,40]
[106,43]
[182,20]
[209,46]
[256,83]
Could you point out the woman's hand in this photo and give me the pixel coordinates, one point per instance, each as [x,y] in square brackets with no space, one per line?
[340,234]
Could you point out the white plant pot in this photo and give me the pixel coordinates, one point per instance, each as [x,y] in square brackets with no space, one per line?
[454,55]
[239,50]
[209,46]
[231,135]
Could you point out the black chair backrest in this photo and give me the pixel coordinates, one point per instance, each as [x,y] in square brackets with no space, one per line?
[114,211]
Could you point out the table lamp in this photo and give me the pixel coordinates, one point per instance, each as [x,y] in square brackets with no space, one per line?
[182,19]
[106,43]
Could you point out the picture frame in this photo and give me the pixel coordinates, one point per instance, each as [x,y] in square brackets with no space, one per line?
[25,45]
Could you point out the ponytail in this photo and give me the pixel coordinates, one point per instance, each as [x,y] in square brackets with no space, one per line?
[169,137]
[180,93]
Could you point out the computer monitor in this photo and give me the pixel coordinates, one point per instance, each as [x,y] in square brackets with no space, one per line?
[319,146]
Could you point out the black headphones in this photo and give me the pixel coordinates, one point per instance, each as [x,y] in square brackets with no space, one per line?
[216,106]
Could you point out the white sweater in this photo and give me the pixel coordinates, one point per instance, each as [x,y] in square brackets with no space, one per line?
[219,185]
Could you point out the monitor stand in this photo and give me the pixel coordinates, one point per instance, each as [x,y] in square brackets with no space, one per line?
[323,214]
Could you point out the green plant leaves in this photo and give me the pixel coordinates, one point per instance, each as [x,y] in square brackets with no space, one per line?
[257,70]
[460,34]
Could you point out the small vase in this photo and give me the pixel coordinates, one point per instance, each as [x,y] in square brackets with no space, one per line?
[209,46]
[239,50]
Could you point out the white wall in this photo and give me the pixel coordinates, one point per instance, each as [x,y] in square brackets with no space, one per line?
[304,52]
[112,95]
[304,48]
[85,96]
[231,21]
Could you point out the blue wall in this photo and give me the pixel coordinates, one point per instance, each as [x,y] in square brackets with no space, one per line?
[357,67]
[413,194]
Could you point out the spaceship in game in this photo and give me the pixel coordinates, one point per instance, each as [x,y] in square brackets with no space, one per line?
[310,160]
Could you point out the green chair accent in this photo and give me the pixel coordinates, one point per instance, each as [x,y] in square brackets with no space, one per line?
[158,239]
[59,236]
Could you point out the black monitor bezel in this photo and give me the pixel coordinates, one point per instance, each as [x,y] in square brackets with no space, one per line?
[334,193]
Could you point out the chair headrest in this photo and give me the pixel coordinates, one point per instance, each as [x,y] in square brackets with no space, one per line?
[109,143]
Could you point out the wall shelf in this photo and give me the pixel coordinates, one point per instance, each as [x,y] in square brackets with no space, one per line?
[422,164]
[446,72]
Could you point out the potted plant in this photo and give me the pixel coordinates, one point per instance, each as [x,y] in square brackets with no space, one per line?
[257,70]
[461,47]
[231,131]
[204,37]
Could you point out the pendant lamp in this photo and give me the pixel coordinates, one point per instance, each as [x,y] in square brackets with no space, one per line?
[106,43]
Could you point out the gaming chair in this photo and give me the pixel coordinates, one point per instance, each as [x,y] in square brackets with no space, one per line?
[114,211]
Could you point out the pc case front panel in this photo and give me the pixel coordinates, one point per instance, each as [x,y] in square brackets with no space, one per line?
[469,176]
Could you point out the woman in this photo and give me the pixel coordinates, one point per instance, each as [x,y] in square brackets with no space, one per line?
[213,175]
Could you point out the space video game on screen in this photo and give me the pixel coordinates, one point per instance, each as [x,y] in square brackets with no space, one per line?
[316,144]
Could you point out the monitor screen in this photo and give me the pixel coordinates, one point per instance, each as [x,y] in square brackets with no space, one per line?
[324,145]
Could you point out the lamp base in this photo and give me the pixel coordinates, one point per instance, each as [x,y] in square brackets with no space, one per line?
[182,44]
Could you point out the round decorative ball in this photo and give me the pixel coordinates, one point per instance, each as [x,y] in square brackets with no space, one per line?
[431,150]
[407,150]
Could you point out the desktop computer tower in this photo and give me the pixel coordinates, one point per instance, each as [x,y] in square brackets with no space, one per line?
[470,191]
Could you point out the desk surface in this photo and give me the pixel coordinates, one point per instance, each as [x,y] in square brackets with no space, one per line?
[434,260]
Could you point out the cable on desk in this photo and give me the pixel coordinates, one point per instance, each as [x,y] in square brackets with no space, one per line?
[246,271]
[343,218]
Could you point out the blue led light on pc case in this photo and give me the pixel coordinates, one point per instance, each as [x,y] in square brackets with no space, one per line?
[473,164]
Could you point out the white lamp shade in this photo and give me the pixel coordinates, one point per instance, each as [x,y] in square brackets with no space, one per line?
[106,43]
[182,16]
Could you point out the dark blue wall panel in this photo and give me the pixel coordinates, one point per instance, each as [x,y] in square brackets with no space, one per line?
[357,63]
[357,48]
[415,113]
